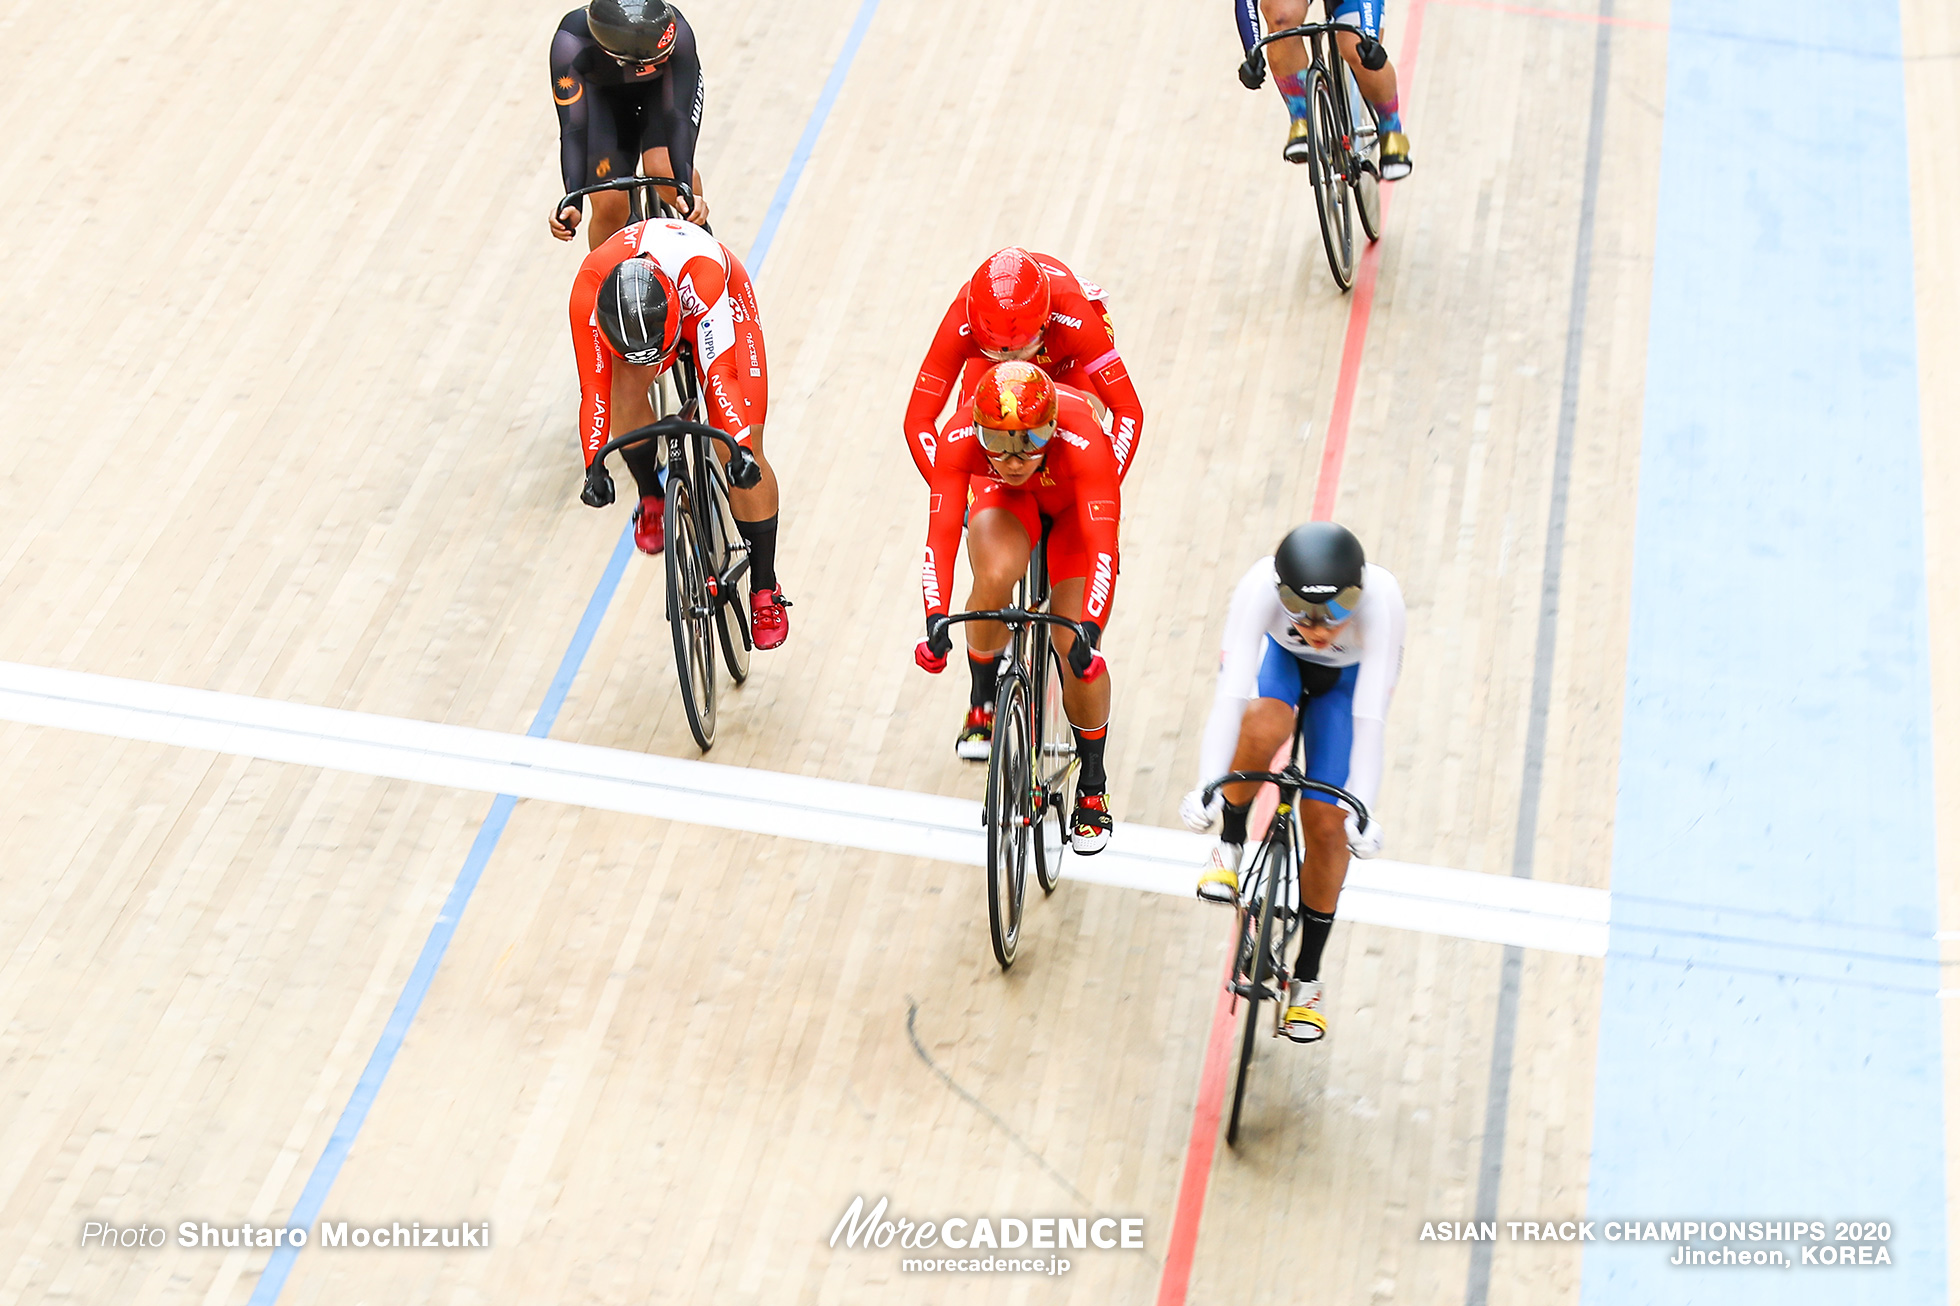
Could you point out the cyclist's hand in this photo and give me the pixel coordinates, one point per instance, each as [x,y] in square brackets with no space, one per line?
[597,489]
[1083,657]
[932,650]
[565,222]
[1364,845]
[1196,813]
[698,215]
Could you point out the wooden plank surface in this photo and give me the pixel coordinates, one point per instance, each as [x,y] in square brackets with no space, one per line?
[299,422]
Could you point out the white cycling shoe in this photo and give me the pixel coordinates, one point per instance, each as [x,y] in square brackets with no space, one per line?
[1220,881]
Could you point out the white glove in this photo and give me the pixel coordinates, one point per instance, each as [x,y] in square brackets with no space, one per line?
[1196,814]
[1366,845]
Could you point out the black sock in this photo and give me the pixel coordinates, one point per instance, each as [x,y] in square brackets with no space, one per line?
[1234,831]
[984,670]
[1089,749]
[643,460]
[1313,939]
[761,536]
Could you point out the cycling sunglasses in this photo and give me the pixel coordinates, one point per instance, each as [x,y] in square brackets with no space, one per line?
[1001,443]
[1329,611]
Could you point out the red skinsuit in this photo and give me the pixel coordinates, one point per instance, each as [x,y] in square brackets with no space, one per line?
[1078,488]
[718,317]
[1078,347]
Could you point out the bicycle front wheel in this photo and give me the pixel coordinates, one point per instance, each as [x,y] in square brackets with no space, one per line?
[1258,969]
[689,611]
[1328,163]
[1010,789]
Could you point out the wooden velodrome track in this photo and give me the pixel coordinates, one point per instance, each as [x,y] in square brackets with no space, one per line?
[290,415]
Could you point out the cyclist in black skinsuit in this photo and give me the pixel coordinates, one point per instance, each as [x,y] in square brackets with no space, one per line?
[627,82]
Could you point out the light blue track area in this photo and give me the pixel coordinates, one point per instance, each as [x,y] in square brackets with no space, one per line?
[1769,1040]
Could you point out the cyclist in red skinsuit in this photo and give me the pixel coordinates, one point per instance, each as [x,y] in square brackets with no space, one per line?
[1023,306]
[1034,450]
[699,293]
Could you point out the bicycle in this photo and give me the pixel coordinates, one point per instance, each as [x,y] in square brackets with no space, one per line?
[707,558]
[1344,159]
[1032,761]
[1259,967]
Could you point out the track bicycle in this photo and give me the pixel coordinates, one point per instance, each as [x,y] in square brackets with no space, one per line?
[1269,898]
[707,558]
[1344,159]
[1032,763]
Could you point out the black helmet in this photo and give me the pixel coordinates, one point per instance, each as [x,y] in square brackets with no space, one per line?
[638,31]
[1319,567]
[638,313]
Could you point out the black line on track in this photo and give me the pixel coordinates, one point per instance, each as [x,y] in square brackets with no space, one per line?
[1490,1168]
[912,1032]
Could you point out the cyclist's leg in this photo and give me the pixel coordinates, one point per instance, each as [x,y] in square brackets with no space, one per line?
[612,136]
[1329,739]
[630,410]
[1288,59]
[1087,705]
[1378,87]
[1001,526]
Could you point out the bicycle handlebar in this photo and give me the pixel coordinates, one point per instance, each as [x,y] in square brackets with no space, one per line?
[627,183]
[744,472]
[1252,72]
[1013,617]
[1292,777]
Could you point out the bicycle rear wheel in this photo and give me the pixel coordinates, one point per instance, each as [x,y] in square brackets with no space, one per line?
[1258,971]
[1365,145]
[1054,765]
[1330,188]
[726,550]
[689,609]
[1010,787]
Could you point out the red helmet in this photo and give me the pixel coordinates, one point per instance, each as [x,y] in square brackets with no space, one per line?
[1014,408]
[1007,301]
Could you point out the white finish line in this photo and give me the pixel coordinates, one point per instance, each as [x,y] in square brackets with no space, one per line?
[1432,899]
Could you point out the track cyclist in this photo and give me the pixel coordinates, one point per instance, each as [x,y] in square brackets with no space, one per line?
[637,298]
[1035,451]
[1315,628]
[1289,63]
[1024,307]
[627,82]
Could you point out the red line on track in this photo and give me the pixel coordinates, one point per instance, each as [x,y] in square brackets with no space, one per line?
[1203,1144]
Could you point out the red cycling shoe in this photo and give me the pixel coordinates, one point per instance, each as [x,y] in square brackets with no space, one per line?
[768,622]
[650,525]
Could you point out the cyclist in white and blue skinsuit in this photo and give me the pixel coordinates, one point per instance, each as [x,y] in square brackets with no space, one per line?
[1289,61]
[1317,627]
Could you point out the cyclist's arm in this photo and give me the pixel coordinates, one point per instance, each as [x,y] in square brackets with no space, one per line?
[1239,654]
[946,518]
[1246,14]
[574,101]
[595,361]
[680,100]
[1098,515]
[712,330]
[1384,621]
[937,374]
[1114,388]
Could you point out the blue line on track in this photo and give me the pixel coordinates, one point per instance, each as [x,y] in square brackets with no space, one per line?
[320,1182]
[1776,755]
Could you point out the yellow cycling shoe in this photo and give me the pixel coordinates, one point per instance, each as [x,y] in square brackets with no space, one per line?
[1303,1021]
[1299,142]
[1395,156]
[1220,881]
